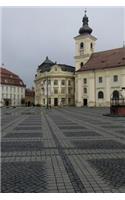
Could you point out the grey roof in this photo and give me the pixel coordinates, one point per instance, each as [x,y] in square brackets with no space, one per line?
[47,65]
[67,68]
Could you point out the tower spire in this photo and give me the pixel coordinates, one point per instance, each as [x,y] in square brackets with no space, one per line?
[85,29]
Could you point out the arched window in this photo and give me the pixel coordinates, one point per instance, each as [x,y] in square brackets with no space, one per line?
[81,45]
[91,45]
[115,94]
[81,64]
[100,95]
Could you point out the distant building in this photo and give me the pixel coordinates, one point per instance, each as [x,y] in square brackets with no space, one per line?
[12,88]
[29,97]
[99,76]
[54,84]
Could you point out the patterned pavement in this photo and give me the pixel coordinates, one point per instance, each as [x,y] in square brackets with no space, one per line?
[63,150]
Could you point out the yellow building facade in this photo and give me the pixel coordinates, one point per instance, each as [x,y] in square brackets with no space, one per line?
[54,84]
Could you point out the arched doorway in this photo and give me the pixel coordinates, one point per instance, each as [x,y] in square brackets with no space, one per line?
[115,94]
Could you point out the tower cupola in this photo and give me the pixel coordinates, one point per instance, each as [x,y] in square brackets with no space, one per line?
[85,29]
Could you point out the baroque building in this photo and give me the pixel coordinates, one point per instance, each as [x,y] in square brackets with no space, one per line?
[99,76]
[12,88]
[54,84]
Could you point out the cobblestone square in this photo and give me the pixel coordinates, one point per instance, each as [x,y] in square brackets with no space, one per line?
[62,150]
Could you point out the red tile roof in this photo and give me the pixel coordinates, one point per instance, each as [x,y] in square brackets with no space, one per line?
[104,60]
[9,78]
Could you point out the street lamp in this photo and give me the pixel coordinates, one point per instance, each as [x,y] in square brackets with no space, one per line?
[46,89]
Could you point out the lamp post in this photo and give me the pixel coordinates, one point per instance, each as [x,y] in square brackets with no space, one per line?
[47,91]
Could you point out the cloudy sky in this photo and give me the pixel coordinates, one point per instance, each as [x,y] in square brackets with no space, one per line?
[29,34]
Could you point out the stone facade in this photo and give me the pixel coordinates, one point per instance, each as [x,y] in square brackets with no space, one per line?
[91,80]
[54,87]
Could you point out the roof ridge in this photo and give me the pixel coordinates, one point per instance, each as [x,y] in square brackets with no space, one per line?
[108,50]
[8,71]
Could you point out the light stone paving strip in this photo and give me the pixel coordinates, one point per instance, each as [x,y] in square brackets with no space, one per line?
[66,166]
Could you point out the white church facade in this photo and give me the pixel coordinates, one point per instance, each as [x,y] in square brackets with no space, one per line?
[99,76]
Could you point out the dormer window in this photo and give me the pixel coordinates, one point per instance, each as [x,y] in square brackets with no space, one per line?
[81,45]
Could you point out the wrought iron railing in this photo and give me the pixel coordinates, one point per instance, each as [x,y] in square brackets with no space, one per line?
[118,102]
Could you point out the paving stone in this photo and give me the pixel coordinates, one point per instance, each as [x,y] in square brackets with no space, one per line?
[80,133]
[98,144]
[24,134]
[111,170]
[21,146]
[24,177]
[28,128]
[83,148]
[71,127]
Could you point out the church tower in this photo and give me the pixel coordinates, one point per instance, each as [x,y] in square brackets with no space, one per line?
[84,44]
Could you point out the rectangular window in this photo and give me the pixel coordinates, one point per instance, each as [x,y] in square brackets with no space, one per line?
[115,78]
[100,79]
[69,90]
[62,90]
[69,82]
[55,82]
[85,80]
[63,100]
[49,101]
[43,101]
[85,90]
[63,82]
[55,90]
[43,91]
[49,82]
[69,100]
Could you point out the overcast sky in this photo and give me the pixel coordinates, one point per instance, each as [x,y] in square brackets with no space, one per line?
[31,34]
